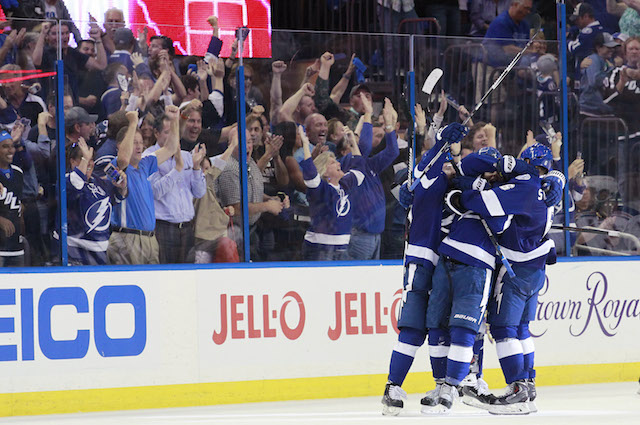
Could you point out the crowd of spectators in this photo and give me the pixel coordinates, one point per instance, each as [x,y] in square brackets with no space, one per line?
[153,165]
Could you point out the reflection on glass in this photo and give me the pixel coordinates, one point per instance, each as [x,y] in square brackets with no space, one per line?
[173,194]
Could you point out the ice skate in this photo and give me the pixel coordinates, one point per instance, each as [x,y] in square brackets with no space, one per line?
[531,383]
[514,402]
[430,399]
[446,398]
[392,403]
[478,395]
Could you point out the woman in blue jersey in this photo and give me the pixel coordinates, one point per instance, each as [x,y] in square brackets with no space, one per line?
[328,189]
[89,204]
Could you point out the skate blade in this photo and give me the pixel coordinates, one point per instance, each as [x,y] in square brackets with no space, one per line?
[532,407]
[391,410]
[510,409]
[438,409]
[470,401]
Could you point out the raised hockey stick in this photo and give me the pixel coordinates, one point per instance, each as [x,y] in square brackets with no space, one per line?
[537,21]
[428,86]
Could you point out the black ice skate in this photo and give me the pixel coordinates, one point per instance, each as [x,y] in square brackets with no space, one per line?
[392,403]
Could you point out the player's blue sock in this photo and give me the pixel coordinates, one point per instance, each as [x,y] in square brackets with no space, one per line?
[509,352]
[438,350]
[403,354]
[460,354]
[478,354]
[528,349]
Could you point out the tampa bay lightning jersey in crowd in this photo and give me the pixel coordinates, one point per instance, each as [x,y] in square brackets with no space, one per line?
[329,204]
[583,45]
[12,181]
[522,201]
[468,241]
[425,215]
[89,211]
[369,204]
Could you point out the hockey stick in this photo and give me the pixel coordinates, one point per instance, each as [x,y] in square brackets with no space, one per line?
[499,252]
[476,108]
[428,86]
[612,233]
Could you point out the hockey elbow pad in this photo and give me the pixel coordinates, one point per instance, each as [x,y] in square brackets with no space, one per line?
[453,201]
[511,167]
[470,183]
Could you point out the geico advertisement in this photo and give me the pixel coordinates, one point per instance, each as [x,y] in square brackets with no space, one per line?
[91,330]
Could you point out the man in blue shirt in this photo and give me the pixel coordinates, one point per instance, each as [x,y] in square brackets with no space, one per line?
[508,33]
[176,183]
[133,221]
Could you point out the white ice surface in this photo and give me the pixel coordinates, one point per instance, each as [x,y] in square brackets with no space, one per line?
[602,404]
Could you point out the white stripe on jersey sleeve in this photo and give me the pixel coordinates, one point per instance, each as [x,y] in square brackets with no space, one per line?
[359,176]
[76,180]
[313,183]
[492,203]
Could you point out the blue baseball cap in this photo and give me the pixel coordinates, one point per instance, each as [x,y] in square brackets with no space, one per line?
[4,135]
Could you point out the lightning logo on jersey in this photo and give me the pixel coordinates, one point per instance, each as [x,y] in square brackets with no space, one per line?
[343,206]
[98,216]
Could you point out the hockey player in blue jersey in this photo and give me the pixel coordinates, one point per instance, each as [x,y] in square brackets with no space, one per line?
[421,257]
[461,284]
[89,204]
[522,200]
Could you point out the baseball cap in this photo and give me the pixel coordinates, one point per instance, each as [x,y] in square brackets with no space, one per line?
[607,40]
[583,9]
[547,63]
[4,135]
[123,37]
[358,88]
[78,115]
[620,36]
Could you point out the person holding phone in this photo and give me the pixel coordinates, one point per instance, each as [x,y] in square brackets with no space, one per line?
[89,205]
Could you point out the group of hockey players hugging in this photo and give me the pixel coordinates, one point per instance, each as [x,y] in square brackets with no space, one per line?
[462,214]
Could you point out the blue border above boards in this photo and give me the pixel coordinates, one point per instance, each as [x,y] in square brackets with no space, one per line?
[258,265]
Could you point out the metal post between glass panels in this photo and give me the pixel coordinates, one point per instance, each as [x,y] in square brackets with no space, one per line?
[562,18]
[62,184]
[242,149]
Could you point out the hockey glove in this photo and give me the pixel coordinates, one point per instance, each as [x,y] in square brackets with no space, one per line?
[553,185]
[511,167]
[406,196]
[453,201]
[453,133]
[470,183]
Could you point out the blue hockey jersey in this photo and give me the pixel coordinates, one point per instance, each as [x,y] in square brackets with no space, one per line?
[521,201]
[468,241]
[369,201]
[89,211]
[329,205]
[425,215]
[582,46]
